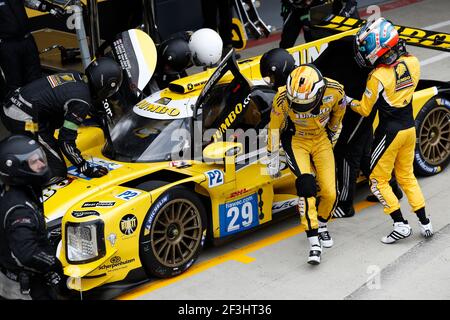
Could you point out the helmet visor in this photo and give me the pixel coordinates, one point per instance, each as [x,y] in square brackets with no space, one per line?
[303,104]
[34,161]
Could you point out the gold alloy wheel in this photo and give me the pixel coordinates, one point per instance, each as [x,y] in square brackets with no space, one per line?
[176,233]
[434,136]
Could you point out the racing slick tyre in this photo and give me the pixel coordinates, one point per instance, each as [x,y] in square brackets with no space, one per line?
[433,137]
[173,233]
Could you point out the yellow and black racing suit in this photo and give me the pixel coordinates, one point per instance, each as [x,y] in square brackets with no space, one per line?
[307,144]
[390,89]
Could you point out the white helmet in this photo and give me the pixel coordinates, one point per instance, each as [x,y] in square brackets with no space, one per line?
[206,47]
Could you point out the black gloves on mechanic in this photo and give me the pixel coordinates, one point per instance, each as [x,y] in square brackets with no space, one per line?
[92,171]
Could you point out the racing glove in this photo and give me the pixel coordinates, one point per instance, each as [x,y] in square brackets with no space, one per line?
[333,135]
[92,171]
[52,278]
[273,165]
[54,10]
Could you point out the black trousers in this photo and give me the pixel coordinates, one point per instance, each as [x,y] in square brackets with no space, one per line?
[350,159]
[45,137]
[217,15]
[292,25]
[19,60]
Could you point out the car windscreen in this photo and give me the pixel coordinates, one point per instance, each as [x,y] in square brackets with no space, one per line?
[140,139]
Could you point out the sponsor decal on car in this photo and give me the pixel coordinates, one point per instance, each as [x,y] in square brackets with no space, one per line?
[82,214]
[128,224]
[116,263]
[215,178]
[156,207]
[157,108]
[111,166]
[112,238]
[50,191]
[239,215]
[128,195]
[238,108]
[238,193]
[99,204]
[283,205]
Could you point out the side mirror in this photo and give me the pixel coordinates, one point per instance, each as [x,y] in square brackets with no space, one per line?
[220,150]
[227,150]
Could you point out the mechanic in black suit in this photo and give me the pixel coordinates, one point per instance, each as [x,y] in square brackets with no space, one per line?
[217,15]
[28,264]
[62,101]
[19,56]
[295,14]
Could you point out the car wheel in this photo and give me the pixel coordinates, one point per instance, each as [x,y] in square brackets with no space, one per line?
[173,233]
[433,137]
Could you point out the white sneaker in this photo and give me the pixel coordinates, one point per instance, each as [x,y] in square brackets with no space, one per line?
[401,230]
[325,238]
[315,250]
[426,230]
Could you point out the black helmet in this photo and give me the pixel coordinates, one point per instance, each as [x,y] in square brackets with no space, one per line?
[275,66]
[23,162]
[104,76]
[174,55]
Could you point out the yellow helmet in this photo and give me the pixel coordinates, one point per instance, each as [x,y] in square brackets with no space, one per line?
[305,87]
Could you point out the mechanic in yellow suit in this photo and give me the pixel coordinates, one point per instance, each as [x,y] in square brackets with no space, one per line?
[390,87]
[310,108]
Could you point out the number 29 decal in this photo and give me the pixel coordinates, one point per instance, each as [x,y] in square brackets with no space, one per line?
[215,178]
[238,215]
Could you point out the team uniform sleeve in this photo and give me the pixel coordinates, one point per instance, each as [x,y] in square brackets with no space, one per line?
[277,121]
[22,229]
[77,111]
[365,105]
[337,113]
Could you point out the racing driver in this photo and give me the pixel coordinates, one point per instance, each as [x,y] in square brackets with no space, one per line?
[390,87]
[310,109]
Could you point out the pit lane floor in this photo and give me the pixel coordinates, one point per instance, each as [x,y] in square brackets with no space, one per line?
[271,263]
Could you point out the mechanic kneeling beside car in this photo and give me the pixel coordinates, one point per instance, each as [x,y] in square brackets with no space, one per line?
[28,263]
[62,101]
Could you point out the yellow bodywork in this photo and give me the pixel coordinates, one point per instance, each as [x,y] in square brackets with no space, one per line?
[122,255]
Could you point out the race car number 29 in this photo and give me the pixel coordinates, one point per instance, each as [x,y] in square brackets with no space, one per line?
[238,215]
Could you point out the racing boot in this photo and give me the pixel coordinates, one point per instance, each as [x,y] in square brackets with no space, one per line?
[401,230]
[315,250]
[426,230]
[395,188]
[344,209]
[324,235]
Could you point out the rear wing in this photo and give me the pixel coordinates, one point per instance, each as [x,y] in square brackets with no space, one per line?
[412,36]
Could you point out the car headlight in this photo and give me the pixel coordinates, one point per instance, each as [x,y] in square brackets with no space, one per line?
[85,241]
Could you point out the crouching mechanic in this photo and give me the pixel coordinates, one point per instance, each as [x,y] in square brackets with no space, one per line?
[62,101]
[28,263]
[310,109]
[390,87]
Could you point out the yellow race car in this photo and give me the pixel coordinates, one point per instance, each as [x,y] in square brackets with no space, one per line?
[187,166]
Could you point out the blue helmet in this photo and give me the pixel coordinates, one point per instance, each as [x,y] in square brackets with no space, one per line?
[374,40]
